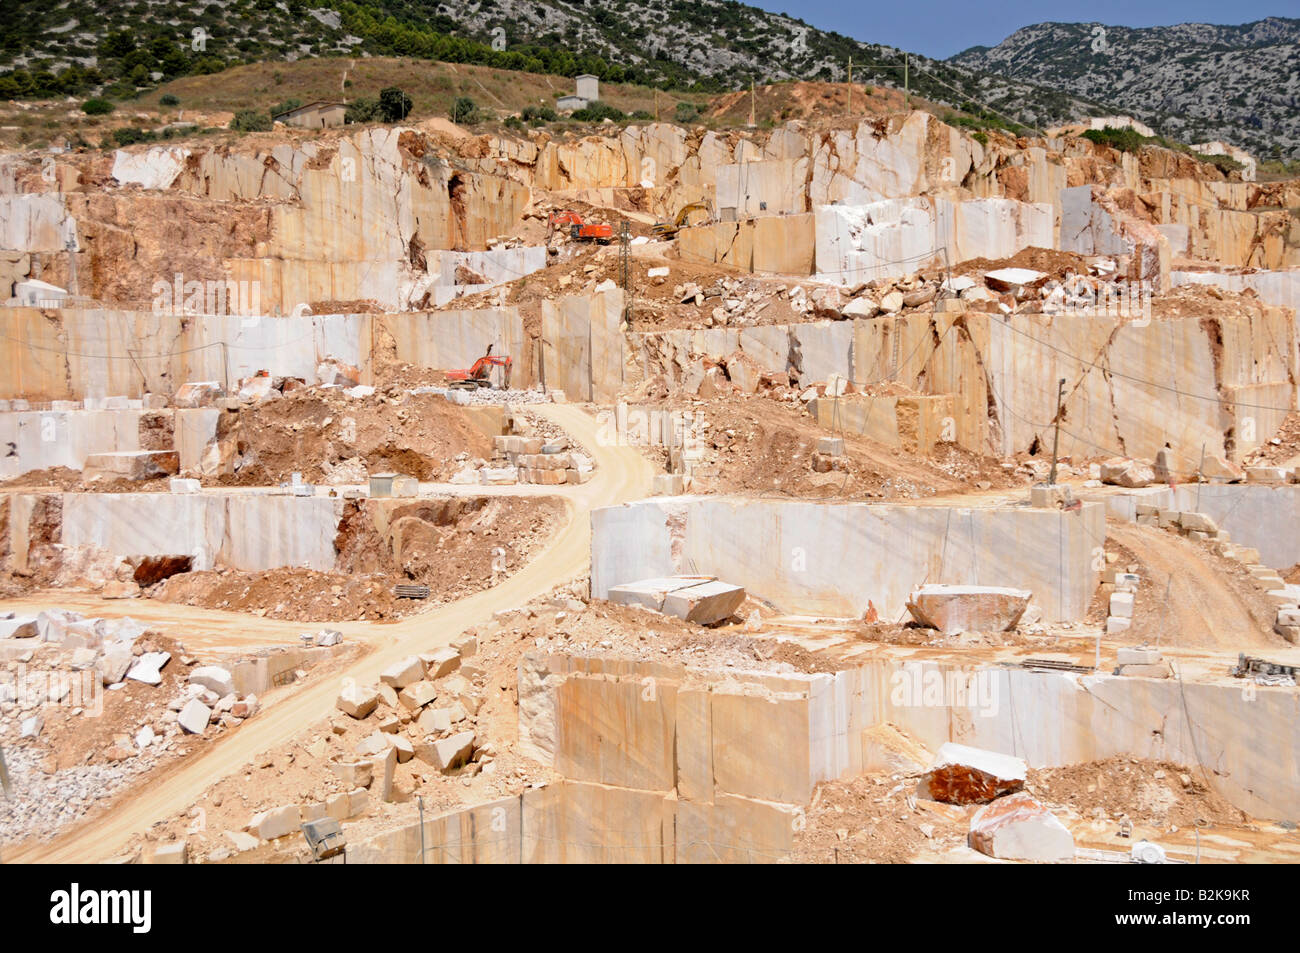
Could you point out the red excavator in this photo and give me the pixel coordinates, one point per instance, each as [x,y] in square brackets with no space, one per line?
[480,375]
[580,230]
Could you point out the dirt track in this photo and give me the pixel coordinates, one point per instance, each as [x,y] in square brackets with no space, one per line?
[622,474]
[1204,608]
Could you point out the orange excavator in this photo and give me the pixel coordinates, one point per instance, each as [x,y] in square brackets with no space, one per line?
[480,375]
[580,230]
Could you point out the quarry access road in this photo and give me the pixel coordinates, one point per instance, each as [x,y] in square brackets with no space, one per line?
[1199,607]
[622,474]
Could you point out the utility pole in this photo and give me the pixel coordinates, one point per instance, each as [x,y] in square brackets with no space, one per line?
[625,268]
[1056,440]
[752,122]
[907,89]
[4,777]
[71,246]
[420,802]
[850,85]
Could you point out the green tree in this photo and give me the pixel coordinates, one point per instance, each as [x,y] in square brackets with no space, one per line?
[463,110]
[394,104]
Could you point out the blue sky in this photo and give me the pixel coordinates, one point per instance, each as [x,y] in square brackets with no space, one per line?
[940,28]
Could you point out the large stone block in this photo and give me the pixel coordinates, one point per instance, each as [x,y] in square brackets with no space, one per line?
[400,674]
[706,603]
[1018,827]
[652,592]
[964,775]
[453,751]
[617,731]
[953,609]
[276,822]
[356,701]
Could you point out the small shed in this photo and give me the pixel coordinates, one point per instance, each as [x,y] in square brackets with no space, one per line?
[317,115]
[588,87]
[570,103]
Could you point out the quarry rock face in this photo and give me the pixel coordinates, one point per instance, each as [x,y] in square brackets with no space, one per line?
[1018,827]
[968,608]
[965,775]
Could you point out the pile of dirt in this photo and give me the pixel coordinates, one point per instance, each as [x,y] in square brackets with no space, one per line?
[1152,793]
[765,447]
[351,306]
[44,546]
[657,301]
[870,819]
[301,595]
[331,438]
[876,818]
[826,105]
[1048,260]
[456,546]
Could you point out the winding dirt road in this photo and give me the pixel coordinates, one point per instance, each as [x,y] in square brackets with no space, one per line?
[1198,606]
[622,474]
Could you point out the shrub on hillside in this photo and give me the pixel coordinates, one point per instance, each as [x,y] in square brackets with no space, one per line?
[536,115]
[598,112]
[1125,140]
[250,120]
[363,109]
[463,110]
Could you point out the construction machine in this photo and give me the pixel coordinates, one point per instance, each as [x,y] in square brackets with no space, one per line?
[580,230]
[670,229]
[480,375]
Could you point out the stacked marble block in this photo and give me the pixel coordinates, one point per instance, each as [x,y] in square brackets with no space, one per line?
[536,461]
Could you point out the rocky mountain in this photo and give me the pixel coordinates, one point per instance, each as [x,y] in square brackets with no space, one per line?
[1192,82]
[71,47]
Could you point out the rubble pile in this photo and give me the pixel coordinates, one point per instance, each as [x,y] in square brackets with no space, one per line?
[423,707]
[89,704]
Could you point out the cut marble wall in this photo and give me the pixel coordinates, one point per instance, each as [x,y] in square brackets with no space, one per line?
[821,559]
[900,236]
